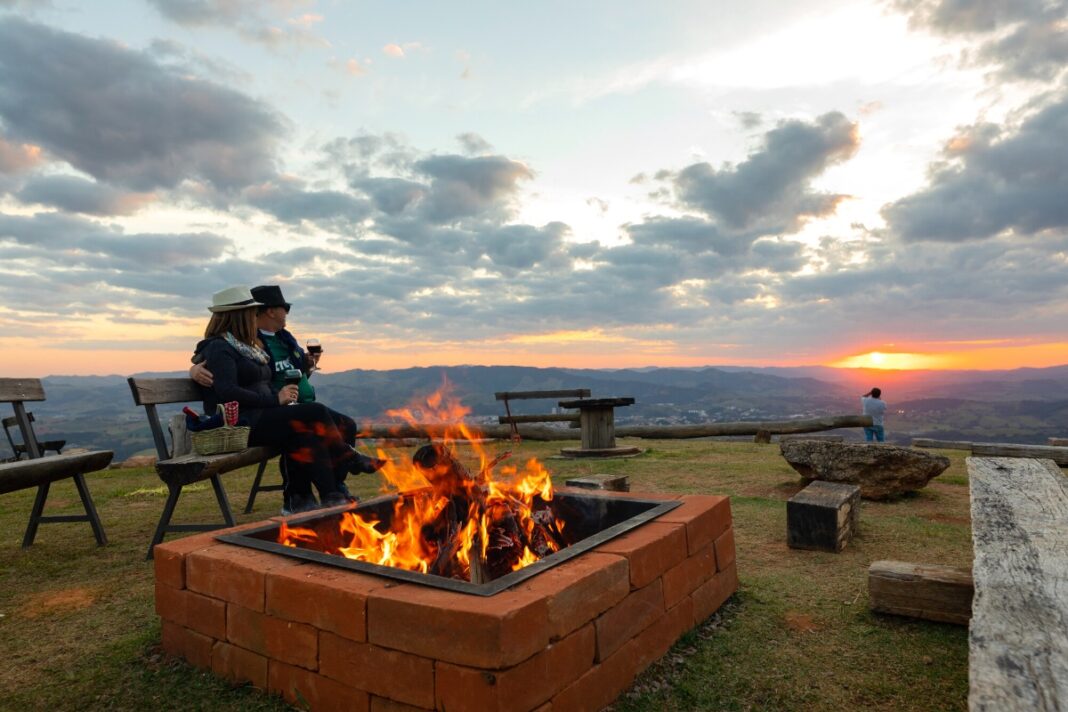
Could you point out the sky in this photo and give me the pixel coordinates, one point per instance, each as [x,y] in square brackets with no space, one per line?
[597,184]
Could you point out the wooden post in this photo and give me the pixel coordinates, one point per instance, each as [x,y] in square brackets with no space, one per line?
[823,516]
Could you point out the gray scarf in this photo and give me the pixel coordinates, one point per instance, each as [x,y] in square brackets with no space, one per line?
[252,352]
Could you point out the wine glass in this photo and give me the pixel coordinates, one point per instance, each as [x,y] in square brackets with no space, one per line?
[293,377]
[314,348]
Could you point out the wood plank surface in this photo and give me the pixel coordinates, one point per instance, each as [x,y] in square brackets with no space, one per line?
[529,395]
[21,389]
[943,444]
[704,430]
[24,474]
[928,591]
[1057,442]
[153,391]
[188,469]
[1018,640]
[1043,452]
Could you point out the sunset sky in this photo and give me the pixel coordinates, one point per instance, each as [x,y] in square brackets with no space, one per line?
[594,184]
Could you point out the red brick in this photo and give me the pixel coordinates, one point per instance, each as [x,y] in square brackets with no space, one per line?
[289,642]
[323,596]
[200,613]
[580,589]
[494,632]
[547,707]
[713,593]
[523,687]
[170,604]
[233,573]
[190,645]
[383,672]
[301,687]
[651,549]
[601,685]
[681,580]
[239,665]
[653,643]
[628,618]
[384,704]
[725,550]
[705,517]
[168,557]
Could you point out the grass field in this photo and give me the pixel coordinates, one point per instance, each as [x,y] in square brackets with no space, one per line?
[79,631]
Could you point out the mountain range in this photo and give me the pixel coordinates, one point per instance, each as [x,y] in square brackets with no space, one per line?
[1022,405]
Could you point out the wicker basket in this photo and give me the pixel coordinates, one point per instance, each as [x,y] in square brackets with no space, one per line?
[219,440]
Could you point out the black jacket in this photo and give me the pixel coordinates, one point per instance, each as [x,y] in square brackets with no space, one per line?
[236,378]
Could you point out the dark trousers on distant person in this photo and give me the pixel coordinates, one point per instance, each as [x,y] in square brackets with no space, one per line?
[875,432]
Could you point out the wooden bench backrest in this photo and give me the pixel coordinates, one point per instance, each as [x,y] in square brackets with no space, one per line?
[21,389]
[528,395]
[151,392]
[16,391]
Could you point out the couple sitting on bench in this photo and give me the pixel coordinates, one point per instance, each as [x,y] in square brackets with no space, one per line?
[244,356]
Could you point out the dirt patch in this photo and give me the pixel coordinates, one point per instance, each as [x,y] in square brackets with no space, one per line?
[64,601]
[800,622]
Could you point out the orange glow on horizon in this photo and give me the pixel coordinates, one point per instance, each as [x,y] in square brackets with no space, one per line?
[985,355]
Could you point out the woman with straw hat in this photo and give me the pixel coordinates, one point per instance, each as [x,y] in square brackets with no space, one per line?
[305,432]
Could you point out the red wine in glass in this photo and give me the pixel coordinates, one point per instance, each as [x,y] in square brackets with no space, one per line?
[314,348]
[292,378]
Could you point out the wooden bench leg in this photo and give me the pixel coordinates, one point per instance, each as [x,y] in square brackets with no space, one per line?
[35,514]
[165,518]
[90,510]
[224,503]
[255,487]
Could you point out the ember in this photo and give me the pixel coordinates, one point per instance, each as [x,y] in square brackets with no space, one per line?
[448,521]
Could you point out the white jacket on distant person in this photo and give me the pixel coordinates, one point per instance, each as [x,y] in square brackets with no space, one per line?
[875,407]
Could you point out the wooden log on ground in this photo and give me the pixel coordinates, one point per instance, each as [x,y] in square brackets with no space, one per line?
[823,516]
[1057,442]
[1041,452]
[821,438]
[777,427]
[1018,640]
[611,483]
[942,444]
[928,591]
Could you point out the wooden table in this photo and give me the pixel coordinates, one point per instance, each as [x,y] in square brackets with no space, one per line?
[597,421]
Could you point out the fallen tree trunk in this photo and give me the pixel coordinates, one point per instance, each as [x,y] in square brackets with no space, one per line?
[775,427]
[660,432]
[1038,452]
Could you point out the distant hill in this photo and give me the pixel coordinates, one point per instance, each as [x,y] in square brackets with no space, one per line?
[1025,405]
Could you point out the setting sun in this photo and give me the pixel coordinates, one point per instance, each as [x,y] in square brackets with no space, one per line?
[893,361]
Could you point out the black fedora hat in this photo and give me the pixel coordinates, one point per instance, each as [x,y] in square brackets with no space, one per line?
[270,295]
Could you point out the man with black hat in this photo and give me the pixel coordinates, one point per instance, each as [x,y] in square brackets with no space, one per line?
[286,355]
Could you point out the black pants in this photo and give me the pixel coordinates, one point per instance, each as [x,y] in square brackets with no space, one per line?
[315,441]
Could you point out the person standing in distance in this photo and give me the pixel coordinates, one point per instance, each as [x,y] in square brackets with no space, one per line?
[871,404]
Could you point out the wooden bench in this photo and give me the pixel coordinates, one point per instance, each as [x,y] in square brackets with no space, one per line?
[41,472]
[177,472]
[1018,640]
[514,420]
[20,449]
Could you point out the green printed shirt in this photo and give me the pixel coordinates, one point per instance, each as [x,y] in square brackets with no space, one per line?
[283,361]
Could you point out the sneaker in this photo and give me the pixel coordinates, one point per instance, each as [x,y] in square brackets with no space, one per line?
[336,499]
[299,503]
[360,464]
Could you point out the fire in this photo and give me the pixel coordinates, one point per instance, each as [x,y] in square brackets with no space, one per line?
[475,524]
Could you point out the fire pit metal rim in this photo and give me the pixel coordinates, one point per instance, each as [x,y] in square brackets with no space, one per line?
[247,538]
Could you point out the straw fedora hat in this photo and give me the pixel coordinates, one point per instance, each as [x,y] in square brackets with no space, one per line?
[232,299]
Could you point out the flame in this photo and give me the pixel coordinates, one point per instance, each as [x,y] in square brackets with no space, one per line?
[451,519]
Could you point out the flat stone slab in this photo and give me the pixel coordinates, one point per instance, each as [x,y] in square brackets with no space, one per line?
[881,471]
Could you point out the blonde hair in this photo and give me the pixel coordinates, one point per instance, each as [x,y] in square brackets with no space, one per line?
[239,322]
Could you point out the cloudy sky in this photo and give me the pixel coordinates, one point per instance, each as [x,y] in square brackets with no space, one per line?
[598,184]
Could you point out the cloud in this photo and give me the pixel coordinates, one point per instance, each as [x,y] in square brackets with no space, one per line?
[246,17]
[121,117]
[393,50]
[16,158]
[77,195]
[1026,39]
[993,179]
[292,204]
[769,192]
[462,187]
[473,144]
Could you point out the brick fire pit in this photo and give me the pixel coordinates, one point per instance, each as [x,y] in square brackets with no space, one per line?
[570,638]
